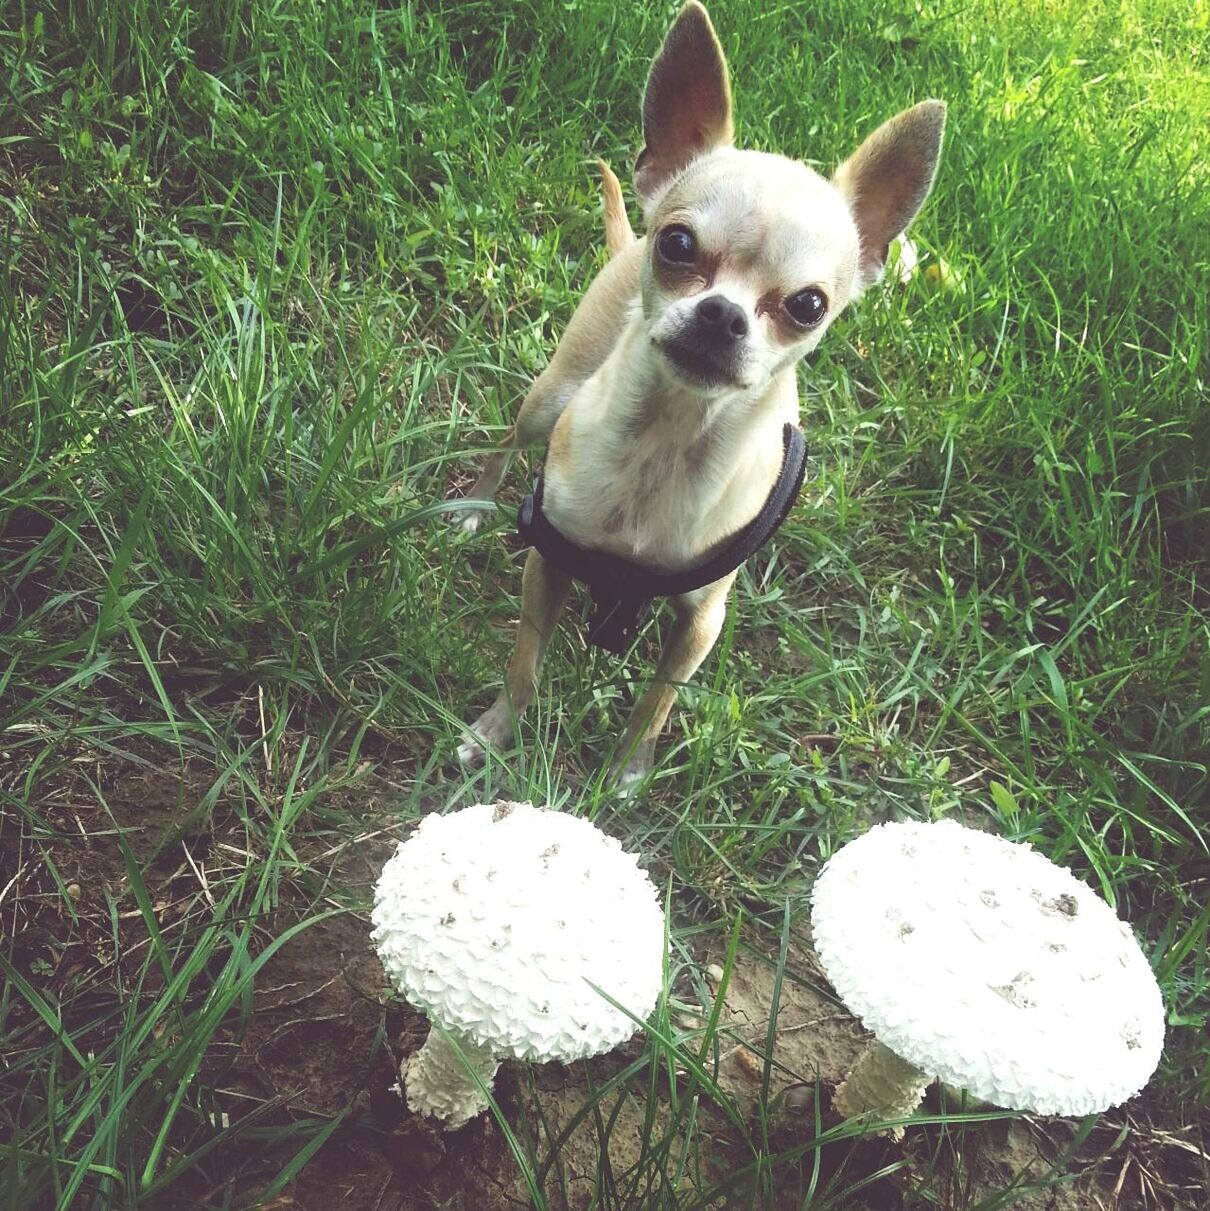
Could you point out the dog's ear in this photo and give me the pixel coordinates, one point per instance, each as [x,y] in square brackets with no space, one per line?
[687,103]
[886,180]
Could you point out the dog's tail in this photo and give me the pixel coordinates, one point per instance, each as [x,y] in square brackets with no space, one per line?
[618,233]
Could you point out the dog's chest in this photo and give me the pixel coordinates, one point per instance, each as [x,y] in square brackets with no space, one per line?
[662,497]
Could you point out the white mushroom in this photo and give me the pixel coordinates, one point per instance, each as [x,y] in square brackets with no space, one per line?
[977,960]
[497,921]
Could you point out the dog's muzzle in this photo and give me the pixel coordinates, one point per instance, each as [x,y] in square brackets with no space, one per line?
[709,350]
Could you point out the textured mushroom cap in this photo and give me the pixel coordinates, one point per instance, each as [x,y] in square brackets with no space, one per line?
[494,919]
[983,963]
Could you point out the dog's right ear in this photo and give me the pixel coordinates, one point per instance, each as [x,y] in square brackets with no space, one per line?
[687,103]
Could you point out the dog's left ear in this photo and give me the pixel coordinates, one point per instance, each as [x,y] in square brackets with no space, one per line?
[686,105]
[886,180]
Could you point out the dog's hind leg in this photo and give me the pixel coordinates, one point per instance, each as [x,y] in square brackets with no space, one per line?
[541,408]
[591,334]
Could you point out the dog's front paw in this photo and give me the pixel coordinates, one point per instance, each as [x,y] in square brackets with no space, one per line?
[471,752]
[493,729]
[629,770]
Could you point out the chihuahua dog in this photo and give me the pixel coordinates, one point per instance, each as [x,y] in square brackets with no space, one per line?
[664,405]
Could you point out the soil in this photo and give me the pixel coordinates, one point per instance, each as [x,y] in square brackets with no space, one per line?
[324,1041]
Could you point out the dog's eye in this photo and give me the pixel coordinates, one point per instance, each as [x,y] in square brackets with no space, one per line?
[677,245]
[807,307]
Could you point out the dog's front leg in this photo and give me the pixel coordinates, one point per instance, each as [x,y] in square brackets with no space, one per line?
[544,592]
[698,619]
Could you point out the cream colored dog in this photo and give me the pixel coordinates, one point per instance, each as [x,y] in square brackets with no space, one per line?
[664,404]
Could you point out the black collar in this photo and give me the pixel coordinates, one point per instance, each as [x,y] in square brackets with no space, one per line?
[621,588]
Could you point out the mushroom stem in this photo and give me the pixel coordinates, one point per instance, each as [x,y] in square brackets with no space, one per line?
[439,1082]
[881,1084]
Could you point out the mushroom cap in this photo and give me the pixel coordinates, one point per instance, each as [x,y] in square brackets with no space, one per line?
[494,919]
[983,963]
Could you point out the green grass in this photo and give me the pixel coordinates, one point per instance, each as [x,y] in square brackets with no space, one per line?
[273,273]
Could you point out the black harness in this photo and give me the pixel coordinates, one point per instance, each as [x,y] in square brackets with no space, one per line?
[622,589]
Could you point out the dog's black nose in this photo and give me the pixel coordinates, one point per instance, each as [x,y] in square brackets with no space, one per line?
[721,319]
